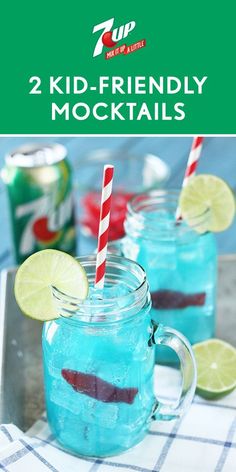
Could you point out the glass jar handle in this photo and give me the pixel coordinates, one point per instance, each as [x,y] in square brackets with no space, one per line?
[176,341]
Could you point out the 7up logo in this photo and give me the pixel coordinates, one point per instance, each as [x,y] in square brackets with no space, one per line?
[44,221]
[110,37]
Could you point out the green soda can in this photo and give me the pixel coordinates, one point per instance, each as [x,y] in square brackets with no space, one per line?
[39,184]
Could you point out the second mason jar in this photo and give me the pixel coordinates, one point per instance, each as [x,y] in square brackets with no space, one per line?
[180,263]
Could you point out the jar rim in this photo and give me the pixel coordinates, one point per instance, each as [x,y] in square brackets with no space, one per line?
[137,205]
[81,309]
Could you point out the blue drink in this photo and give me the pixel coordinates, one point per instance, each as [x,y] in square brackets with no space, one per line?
[180,264]
[98,364]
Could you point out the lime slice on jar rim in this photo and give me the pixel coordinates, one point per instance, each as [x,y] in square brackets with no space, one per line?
[207,203]
[216,368]
[42,271]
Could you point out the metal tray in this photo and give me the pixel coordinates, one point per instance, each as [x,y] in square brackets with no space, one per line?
[21,384]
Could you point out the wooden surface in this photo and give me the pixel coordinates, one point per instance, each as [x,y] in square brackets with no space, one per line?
[226,300]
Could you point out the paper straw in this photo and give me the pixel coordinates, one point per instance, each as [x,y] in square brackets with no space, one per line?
[104,223]
[191,165]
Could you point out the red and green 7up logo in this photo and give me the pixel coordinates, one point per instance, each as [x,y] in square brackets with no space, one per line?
[109,37]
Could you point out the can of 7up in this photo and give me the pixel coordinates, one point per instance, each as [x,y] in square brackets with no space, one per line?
[39,184]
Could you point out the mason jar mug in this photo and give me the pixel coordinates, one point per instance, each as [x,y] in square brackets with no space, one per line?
[99,363]
[180,262]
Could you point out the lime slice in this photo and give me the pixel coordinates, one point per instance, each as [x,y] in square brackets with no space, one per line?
[216,368]
[207,203]
[36,276]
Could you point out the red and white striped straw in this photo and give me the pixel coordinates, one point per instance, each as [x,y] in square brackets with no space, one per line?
[104,223]
[191,165]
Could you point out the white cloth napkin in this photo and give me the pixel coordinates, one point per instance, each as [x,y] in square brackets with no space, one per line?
[203,441]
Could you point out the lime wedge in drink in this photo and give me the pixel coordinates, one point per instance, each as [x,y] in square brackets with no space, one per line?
[36,276]
[207,203]
[216,368]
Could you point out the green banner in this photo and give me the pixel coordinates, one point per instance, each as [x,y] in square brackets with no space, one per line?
[131,67]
